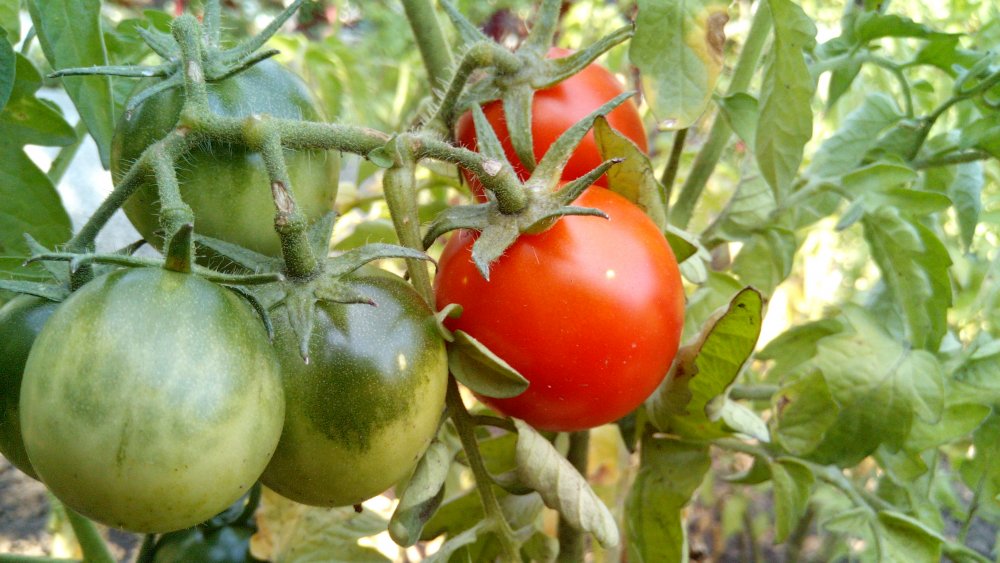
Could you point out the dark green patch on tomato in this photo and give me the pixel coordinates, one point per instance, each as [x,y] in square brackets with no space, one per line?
[226,186]
[151,400]
[361,413]
[21,319]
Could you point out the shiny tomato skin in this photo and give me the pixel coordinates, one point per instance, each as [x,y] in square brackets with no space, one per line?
[361,413]
[151,400]
[553,111]
[589,311]
[227,187]
[21,319]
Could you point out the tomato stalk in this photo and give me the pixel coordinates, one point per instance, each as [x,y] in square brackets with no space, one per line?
[291,225]
[91,543]
[430,40]
[480,55]
[465,425]
[571,540]
[401,196]
[718,136]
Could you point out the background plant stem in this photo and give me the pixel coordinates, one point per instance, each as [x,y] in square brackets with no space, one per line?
[430,39]
[571,540]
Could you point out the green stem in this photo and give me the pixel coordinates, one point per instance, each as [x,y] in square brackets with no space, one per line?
[430,40]
[571,540]
[753,392]
[854,57]
[66,155]
[401,197]
[478,56]
[173,211]
[793,547]
[95,550]
[670,172]
[15,558]
[718,137]
[147,549]
[26,45]
[289,222]
[187,33]
[949,159]
[491,506]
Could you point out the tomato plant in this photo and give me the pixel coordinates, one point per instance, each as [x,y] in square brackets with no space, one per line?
[220,181]
[151,400]
[21,319]
[361,412]
[553,111]
[553,307]
[228,544]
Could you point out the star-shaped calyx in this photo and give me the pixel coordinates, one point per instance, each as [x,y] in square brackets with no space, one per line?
[297,297]
[217,62]
[545,203]
[516,76]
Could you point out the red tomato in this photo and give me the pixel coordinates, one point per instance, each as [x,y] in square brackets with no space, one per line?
[589,311]
[553,111]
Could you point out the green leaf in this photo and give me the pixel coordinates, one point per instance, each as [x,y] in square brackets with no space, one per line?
[982,472]
[678,48]
[850,522]
[792,483]
[562,488]
[633,178]
[682,243]
[796,346]
[69,32]
[804,410]
[785,123]
[31,204]
[983,133]
[914,265]
[457,542]
[705,369]
[875,25]
[966,194]
[742,419]
[741,112]
[748,211]
[10,20]
[880,386]
[906,540]
[422,496]
[766,259]
[877,176]
[956,421]
[481,370]
[858,133]
[8,70]
[716,291]
[669,473]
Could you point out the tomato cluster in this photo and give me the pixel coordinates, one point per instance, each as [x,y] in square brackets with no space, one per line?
[151,399]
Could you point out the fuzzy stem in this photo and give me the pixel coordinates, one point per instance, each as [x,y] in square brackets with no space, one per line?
[505,185]
[955,158]
[571,540]
[147,549]
[711,151]
[401,197]
[289,222]
[484,484]
[95,550]
[480,55]
[430,39]
[187,33]
[173,211]
[670,172]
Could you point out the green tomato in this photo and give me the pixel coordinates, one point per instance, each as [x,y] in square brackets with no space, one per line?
[21,319]
[361,413]
[229,544]
[227,187]
[151,400]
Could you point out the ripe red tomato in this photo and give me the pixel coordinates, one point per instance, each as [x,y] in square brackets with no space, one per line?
[589,311]
[553,111]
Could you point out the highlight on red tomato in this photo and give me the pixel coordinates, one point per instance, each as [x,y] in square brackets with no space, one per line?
[553,111]
[589,311]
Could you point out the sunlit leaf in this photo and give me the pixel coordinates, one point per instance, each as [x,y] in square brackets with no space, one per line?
[966,193]
[678,47]
[792,481]
[858,132]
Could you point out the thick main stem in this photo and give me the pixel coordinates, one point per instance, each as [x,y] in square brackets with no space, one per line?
[571,540]
[399,186]
[289,222]
[95,550]
[711,151]
[430,39]
[491,506]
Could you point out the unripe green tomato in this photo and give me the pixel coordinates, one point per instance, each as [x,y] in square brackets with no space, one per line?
[227,187]
[21,319]
[361,413]
[151,400]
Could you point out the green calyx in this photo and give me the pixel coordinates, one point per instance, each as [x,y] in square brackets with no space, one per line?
[502,219]
[298,296]
[203,40]
[515,76]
